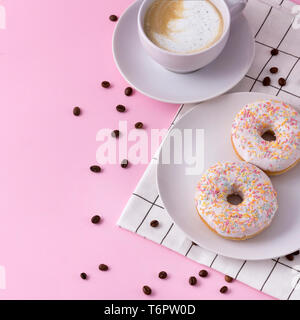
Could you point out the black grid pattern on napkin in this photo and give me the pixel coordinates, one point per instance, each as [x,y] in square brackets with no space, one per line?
[270,268]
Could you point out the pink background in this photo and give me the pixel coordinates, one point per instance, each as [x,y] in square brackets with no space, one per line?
[53,56]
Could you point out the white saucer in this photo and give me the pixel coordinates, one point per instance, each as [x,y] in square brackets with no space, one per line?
[148,77]
[177,189]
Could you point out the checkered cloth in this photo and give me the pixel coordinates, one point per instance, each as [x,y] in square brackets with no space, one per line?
[280,278]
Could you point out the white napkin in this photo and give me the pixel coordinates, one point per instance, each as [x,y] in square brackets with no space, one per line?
[272,22]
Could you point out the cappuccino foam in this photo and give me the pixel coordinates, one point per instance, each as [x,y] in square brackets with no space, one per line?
[183,26]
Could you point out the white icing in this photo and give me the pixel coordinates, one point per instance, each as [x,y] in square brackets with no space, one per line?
[253,120]
[241,221]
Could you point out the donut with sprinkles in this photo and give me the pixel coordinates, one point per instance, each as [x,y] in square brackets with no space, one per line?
[236,220]
[267,134]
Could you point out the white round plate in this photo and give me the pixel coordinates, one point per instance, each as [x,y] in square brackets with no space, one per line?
[151,79]
[177,189]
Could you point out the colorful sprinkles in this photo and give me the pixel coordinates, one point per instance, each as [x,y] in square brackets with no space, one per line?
[236,221]
[257,118]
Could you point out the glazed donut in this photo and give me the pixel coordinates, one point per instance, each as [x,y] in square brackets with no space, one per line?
[267,134]
[236,220]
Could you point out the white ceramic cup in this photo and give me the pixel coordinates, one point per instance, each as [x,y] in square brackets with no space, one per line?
[185,63]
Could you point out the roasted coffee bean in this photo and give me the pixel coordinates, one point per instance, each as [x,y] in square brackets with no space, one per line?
[274,52]
[296,253]
[95,169]
[228,279]
[96,219]
[115,134]
[76,111]
[120,108]
[192,281]
[105,84]
[274,70]
[162,275]
[124,164]
[290,257]
[139,125]
[224,289]
[147,290]
[113,18]
[203,273]
[267,81]
[103,267]
[282,82]
[83,275]
[128,91]
[154,224]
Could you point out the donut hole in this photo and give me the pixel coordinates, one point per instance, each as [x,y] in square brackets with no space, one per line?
[269,135]
[235,198]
